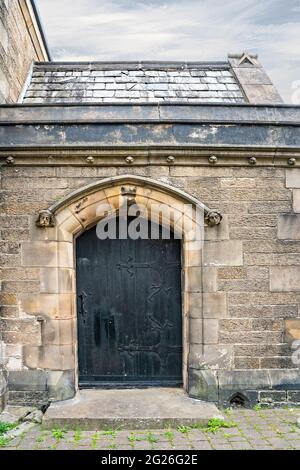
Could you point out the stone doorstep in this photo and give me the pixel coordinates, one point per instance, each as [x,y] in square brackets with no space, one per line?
[152,408]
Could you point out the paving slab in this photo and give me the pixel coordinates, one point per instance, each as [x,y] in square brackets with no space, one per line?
[129,408]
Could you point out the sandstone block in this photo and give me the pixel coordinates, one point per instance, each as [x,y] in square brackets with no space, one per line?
[49,357]
[204,331]
[57,280]
[218,232]
[193,279]
[289,227]
[192,253]
[39,254]
[57,332]
[211,356]
[296,200]
[285,278]
[214,305]
[292,329]
[223,253]
[293,178]
[209,279]
[56,306]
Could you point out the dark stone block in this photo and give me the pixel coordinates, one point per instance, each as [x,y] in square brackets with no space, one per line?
[61,385]
[285,379]
[3,389]
[293,397]
[203,385]
[28,398]
[33,380]
[247,379]
[274,396]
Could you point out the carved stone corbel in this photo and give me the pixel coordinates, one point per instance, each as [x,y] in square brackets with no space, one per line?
[213,217]
[129,192]
[45,219]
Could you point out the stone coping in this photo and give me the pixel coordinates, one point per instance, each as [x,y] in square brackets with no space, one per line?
[277,115]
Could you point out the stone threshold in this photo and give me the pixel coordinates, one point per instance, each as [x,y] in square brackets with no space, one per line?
[152,408]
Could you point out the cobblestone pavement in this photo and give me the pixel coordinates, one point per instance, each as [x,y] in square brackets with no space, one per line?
[249,429]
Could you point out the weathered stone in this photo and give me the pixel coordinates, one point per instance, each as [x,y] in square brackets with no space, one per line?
[49,357]
[273,396]
[267,324]
[293,178]
[211,357]
[19,47]
[28,398]
[203,384]
[60,306]
[129,409]
[296,200]
[286,379]
[223,253]
[209,279]
[284,278]
[193,279]
[61,385]
[54,280]
[246,362]
[292,329]
[57,332]
[284,362]
[244,379]
[214,305]
[262,350]
[289,227]
[235,325]
[3,388]
[232,272]
[26,380]
[293,397]
[204,331]
[35,417]
[249,336]
[218,232]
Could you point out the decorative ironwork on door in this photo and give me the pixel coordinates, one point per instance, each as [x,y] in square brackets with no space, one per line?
[129,311]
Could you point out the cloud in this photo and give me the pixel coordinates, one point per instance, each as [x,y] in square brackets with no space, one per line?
[177,30]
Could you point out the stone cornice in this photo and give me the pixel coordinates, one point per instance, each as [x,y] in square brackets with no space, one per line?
[129,156]
[264,135]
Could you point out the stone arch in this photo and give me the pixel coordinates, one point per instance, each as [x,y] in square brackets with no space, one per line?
[53,243]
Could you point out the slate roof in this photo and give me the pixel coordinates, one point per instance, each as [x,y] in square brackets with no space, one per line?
[133,82]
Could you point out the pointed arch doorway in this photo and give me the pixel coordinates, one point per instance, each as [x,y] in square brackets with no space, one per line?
[129,311]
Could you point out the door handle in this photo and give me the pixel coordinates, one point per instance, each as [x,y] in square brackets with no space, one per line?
[82,309]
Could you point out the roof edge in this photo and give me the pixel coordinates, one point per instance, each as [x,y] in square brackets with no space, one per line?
[35,29]
[134,64]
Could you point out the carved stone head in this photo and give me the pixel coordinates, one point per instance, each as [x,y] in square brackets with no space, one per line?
[130,193]
[213,218]
[45,219]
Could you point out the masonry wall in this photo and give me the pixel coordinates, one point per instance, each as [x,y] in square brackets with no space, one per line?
[251,273]
[16,51]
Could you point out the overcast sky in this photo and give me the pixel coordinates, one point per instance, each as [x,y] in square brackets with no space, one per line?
[178,30]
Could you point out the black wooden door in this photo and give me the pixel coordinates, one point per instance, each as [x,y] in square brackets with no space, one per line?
[129,311]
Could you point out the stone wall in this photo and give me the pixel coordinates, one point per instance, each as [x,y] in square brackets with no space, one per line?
[20,45]
[17,51]
[250,276]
